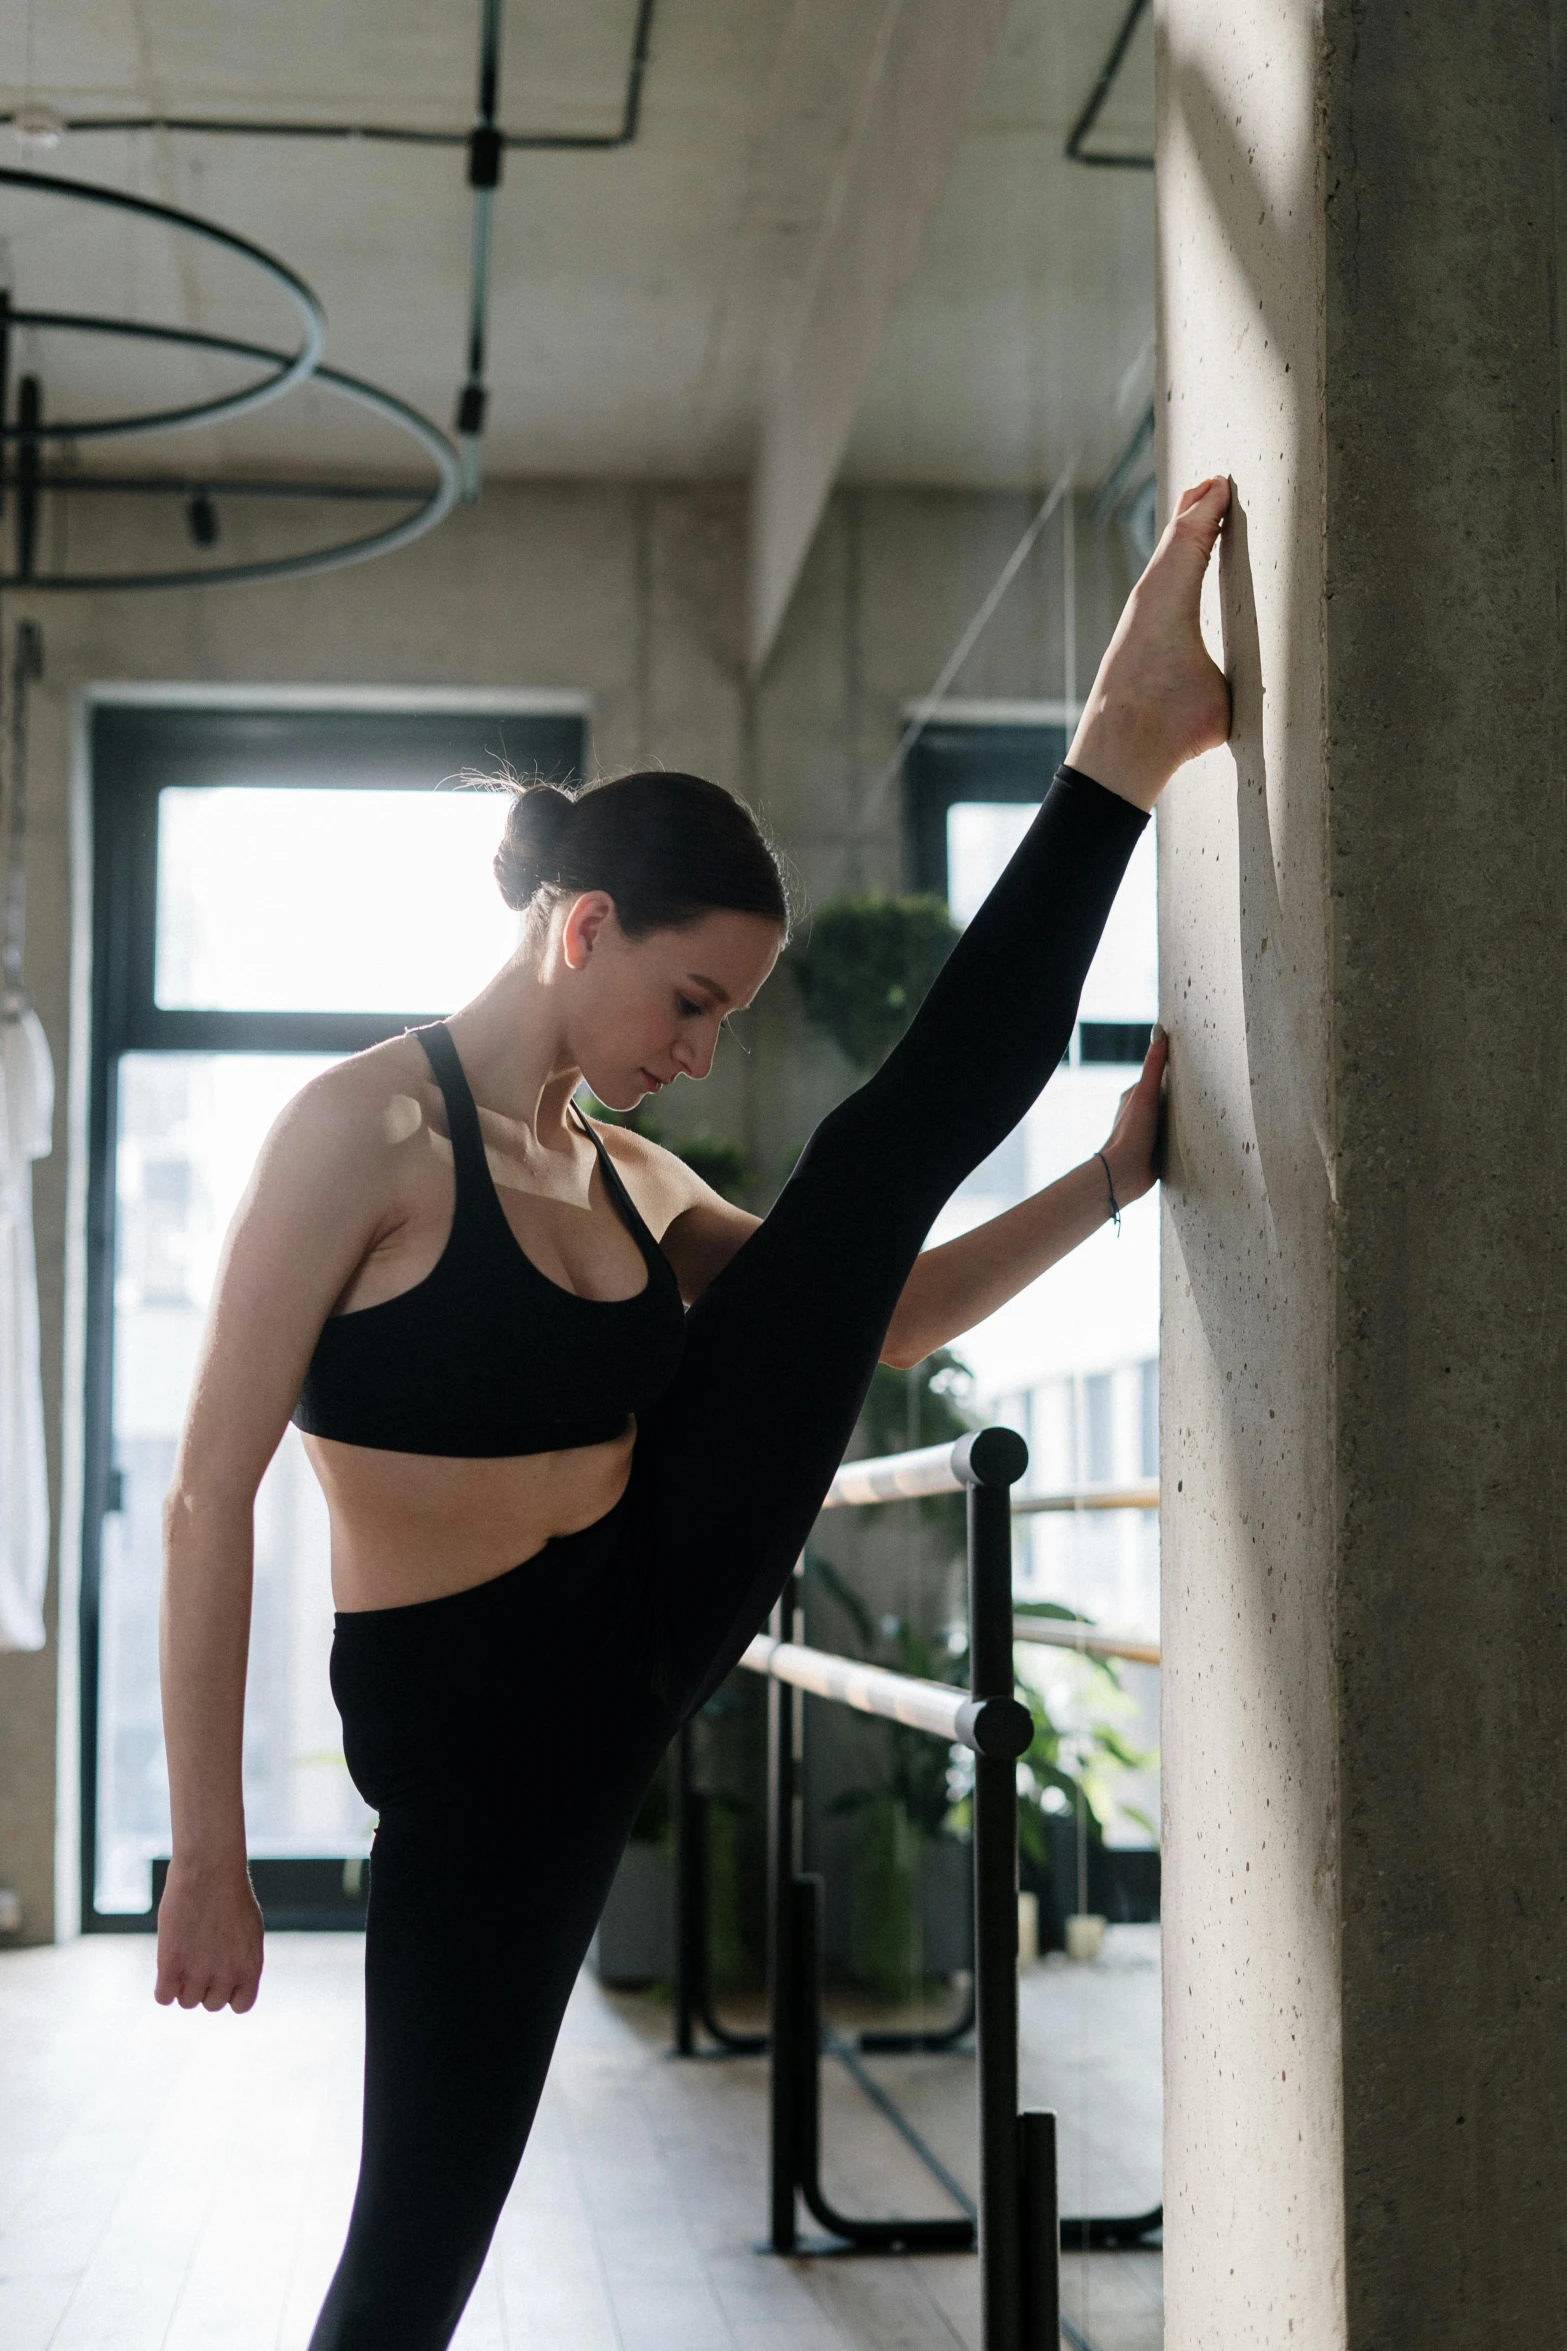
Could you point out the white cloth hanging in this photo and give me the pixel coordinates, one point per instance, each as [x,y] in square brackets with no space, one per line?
[26,1115]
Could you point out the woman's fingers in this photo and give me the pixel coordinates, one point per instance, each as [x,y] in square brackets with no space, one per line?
[1134,1137]
[1151,1075]
[210,1992]
[209,1941]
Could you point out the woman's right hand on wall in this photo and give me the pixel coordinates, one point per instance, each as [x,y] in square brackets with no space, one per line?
[209,1938]
[1132,1147]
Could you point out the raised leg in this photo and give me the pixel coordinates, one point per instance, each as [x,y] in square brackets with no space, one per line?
[781,1348]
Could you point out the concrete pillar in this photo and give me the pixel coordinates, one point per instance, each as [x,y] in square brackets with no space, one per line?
[1364,939]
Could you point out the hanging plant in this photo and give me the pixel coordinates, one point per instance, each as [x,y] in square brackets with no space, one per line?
[864,970]
[724,1165]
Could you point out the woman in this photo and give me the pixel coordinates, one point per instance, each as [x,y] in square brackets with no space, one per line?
[479,1320]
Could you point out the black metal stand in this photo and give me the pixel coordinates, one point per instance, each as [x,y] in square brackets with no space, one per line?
[1015,2225]
[694,2013]
[693,1991]
[904,2044]
[988,1467]
[1016,2229]
[794,1944]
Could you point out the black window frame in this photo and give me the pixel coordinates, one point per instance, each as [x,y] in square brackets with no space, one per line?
[136,749]
[953,760]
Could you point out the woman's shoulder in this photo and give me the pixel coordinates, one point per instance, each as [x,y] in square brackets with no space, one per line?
[356,1114]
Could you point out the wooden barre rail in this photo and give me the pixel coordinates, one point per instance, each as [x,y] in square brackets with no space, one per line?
[1063,1632]
[990,1726]
[905,1477]
[1144,1495]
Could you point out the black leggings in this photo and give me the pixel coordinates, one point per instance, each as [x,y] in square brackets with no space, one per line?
[508,1734]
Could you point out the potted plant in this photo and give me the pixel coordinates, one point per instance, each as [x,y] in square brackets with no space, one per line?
[864,967]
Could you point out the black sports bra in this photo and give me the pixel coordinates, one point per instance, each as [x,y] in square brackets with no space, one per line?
[487,1356]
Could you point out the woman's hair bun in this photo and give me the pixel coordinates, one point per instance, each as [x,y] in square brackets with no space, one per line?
[529,854]
[666,847]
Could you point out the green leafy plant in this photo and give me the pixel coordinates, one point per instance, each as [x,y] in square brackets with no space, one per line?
[884,1932]
[865,967]
[925,1791]
[1075,1771]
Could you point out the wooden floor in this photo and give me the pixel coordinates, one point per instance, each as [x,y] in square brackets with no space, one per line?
[181,2183]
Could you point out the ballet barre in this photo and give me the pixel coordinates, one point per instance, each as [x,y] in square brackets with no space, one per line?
[1069,1632]
[1016,2225]
[990,1726]
[904,1477]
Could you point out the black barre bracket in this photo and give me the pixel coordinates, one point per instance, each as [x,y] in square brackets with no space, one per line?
[798,2118]
[693,1988]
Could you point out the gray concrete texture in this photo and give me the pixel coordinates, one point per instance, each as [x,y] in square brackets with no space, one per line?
[1363,973]
[632,594]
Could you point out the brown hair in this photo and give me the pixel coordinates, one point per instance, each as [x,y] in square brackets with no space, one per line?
[668,848]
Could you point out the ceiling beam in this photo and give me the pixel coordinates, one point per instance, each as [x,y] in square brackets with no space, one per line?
[923,72]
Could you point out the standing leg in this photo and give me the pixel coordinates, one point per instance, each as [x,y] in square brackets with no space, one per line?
[507,1736]
[780,1349]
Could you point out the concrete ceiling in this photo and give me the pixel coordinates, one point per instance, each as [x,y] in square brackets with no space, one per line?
[641,297]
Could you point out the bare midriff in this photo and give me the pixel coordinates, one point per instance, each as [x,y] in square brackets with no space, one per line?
[419,1526]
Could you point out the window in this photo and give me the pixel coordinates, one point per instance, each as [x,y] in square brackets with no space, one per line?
[1083,1345]
[273,890]
[995,778]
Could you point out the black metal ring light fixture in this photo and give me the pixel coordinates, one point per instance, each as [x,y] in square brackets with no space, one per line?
[288,369]
[435,504]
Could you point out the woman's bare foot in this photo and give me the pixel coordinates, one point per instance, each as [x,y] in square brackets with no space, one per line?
[1159,697]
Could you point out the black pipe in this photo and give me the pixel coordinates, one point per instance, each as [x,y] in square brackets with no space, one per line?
[160,485]
[27,667]
[866,2236]
[1101,90]
[783,1734]
[5,378]
[693,1991]
[29,414]
[485,150]
[396,134]
[1041,2232]
[988,1465]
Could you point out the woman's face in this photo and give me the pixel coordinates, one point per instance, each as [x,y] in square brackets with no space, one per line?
[642,1012]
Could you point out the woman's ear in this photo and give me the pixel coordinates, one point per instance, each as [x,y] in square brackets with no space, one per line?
[585,919]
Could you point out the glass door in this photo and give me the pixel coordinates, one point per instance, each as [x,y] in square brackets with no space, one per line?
[272,891]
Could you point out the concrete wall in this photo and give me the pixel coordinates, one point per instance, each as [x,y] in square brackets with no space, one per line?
[1364,1292]
[634,595]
